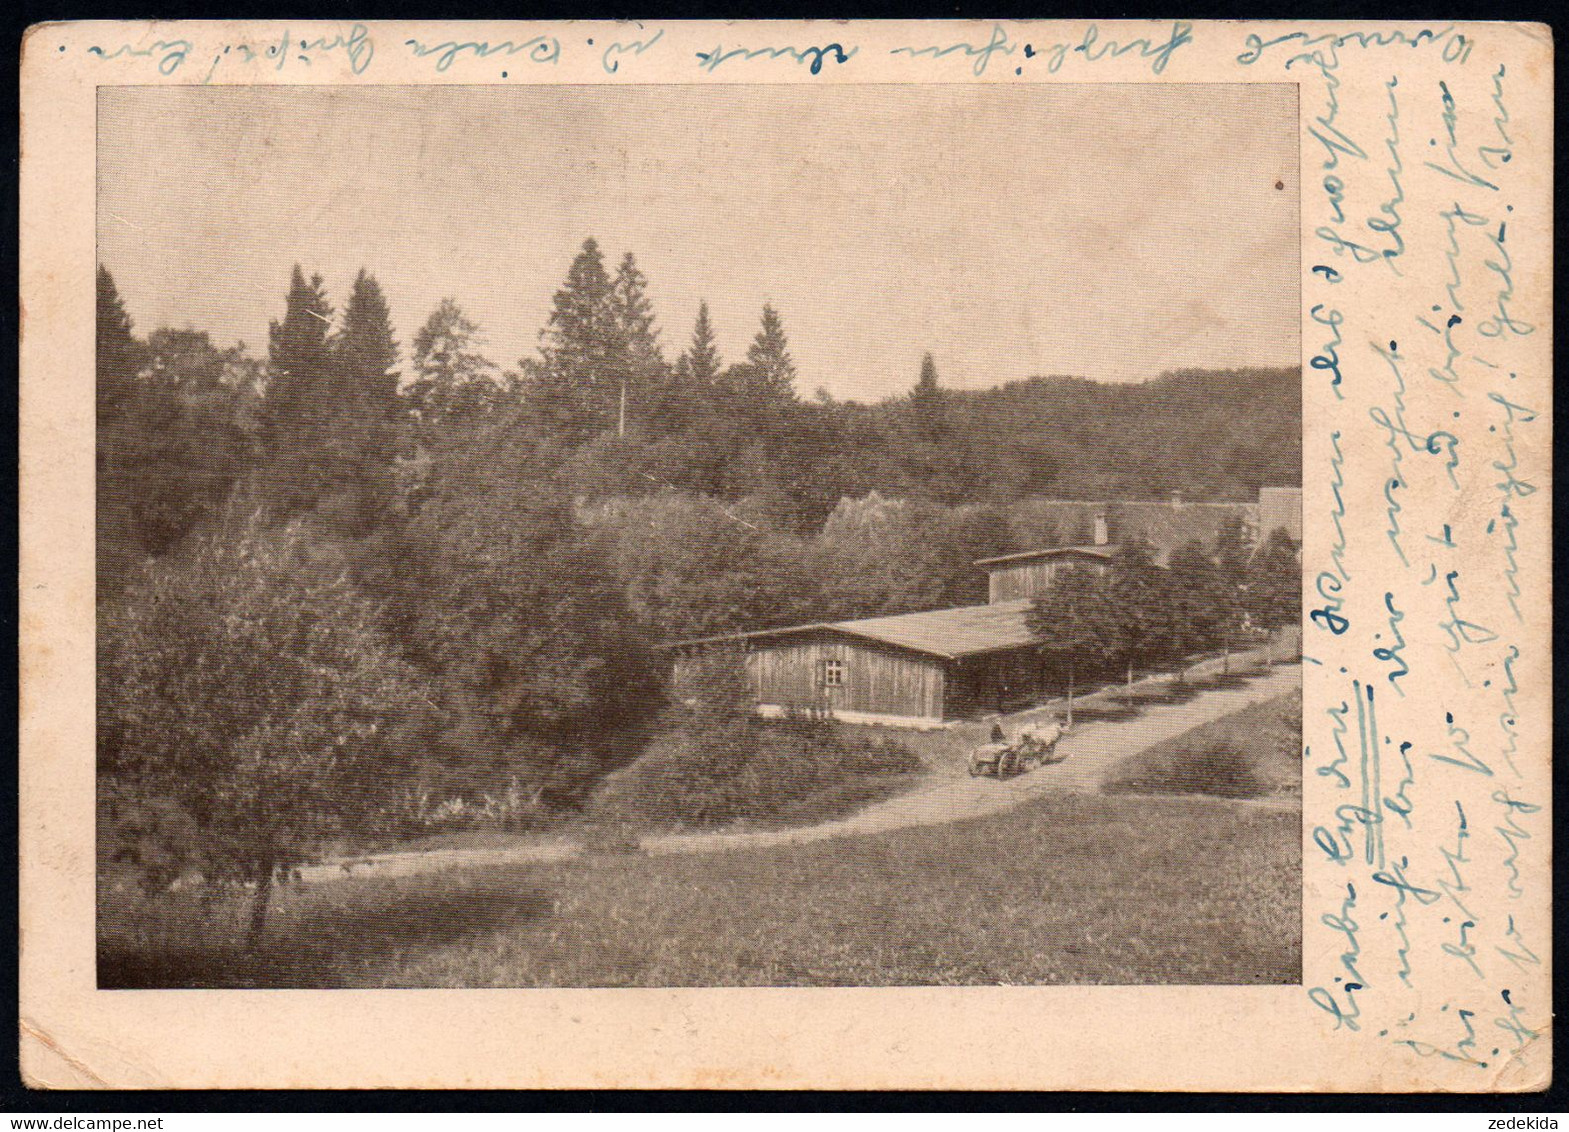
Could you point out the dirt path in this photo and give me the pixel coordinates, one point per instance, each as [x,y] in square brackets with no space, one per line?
[947,794]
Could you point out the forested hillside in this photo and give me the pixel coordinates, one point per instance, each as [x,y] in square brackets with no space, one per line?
[1210,435]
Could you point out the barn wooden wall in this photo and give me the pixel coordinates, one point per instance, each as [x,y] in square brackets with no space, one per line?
[882,681]
[886,681]
[1026,579]
[1031,579]
[875,680]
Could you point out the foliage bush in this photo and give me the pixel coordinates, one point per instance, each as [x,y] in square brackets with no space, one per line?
[701,773]
[538,671]
[1248,754]
[248,708]
[427,810]
[1214,769]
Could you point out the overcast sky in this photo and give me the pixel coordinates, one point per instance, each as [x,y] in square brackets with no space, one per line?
[1108,231]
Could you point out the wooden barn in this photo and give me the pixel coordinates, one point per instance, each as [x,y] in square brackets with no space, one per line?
[1014,577]
[914,669]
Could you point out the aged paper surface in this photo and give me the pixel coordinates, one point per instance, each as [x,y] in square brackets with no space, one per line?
[1424,176]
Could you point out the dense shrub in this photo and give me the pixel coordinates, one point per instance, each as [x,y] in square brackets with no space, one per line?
[247,684]
[701,772]
[1217,769]
[1247,754]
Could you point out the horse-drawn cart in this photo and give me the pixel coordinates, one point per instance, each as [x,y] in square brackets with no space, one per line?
[1001,758]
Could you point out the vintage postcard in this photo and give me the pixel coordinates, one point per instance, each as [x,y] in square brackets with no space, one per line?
[787,555]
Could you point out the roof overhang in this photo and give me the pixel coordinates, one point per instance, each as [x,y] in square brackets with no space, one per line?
[1103,552]
[852,631]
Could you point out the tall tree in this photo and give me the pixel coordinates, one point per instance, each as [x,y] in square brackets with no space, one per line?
[366,436]
[928,404]
[950,470]
[642,362]
[367,349]
[1139,593]
[119,355]
[1274,585]
[297,346]
[297,414]
[452,378]
[575,387]
[634,314]
[939,461]
[1203,601]
[702,362]
[773,370]
[1077,621]
[1233,553]
[119,445]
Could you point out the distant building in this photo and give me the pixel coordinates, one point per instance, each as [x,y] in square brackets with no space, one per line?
[1015,576]
[1164,526]
[1065,523]
[915,669]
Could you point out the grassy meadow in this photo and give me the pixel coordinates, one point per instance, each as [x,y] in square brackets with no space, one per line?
[1067,889]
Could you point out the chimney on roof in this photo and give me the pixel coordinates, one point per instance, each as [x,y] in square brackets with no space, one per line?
[1100,529]
[1176,501]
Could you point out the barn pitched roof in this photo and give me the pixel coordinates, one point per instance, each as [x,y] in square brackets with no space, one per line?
[1105,551]
[947,634]
[952,633]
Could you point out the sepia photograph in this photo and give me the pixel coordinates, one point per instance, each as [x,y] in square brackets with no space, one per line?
[698,536]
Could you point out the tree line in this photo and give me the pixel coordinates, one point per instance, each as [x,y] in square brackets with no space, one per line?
[1138,613]
[334,583]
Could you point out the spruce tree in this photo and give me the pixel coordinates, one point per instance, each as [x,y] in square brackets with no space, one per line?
[366,436]
[572,388]
[297,346]
[641,363]
[702,356]
[367,350]
[451,378]
[296,416]
[769,356]
[634,314]
[928,403]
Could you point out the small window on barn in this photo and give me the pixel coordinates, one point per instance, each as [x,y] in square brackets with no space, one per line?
[833,673]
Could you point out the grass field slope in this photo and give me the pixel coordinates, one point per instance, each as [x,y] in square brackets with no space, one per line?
[1156,882]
